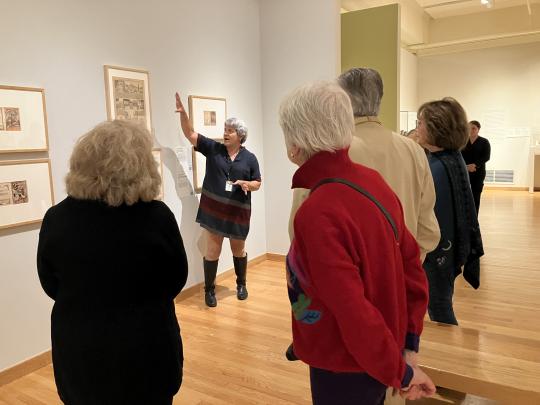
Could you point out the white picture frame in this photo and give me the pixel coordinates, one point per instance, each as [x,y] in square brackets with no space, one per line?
[23,120]
[207,116]
[26,191]
[127,93]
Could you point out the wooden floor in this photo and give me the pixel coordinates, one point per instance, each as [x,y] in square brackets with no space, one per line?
[234,353]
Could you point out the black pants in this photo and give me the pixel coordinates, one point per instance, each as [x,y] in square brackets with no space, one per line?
[477,185]
[441,291]
[329,388]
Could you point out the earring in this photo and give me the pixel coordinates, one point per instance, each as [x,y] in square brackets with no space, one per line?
[292,155]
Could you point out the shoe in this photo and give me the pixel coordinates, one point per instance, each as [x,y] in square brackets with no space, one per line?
[210,298]
[241,292]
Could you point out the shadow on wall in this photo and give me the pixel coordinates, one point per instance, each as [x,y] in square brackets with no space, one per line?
[192,233]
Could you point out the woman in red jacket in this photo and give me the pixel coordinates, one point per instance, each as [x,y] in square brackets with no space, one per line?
[357,288]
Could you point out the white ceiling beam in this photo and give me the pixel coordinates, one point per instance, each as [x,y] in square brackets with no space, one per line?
[446,3]
[487,41]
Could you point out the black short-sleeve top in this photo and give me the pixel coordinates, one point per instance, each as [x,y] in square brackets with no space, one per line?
[221,211]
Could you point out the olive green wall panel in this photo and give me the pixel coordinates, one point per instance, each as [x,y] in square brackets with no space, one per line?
[370,38]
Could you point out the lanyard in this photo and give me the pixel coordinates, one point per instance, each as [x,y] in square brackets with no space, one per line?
[230,163]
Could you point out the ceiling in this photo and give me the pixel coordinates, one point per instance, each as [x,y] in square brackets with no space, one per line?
[441,8]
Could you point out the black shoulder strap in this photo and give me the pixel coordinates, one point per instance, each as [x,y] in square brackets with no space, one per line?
[365,193]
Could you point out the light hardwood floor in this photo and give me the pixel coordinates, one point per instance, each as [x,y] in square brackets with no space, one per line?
[234,353]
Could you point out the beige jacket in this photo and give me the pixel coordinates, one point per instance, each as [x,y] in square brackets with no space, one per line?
[404,166]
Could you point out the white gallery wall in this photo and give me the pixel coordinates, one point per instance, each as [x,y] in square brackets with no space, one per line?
[300,43]
[499,88]
[209,47]
[408,81]
[252,52]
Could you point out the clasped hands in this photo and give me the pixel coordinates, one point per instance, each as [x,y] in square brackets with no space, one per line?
[421,385]
[244,184]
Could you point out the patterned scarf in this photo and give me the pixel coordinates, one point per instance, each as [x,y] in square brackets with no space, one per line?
[469,247]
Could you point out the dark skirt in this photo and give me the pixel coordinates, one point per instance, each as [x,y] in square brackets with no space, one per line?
[223,216]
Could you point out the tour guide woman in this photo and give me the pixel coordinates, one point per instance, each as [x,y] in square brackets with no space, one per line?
[232,173]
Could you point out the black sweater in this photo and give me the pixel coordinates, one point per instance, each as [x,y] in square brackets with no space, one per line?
[113,273]
[478,153]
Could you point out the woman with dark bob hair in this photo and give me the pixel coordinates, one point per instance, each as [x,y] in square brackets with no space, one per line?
[112,259]
[443,130]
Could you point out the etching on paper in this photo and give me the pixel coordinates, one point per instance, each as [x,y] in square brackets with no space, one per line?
[19,190]
[129,99]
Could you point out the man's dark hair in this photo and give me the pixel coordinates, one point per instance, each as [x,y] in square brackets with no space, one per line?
[476,124]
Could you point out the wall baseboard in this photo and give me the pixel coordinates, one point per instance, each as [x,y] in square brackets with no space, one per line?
[26,367]
[506,188]
[196,288]
[276,257]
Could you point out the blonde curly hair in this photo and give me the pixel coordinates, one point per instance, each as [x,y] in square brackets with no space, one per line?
[114,163]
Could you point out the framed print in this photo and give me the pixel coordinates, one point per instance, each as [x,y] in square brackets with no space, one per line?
[157,157]
[207,116]
[26,191]
[127,92]
[23,120]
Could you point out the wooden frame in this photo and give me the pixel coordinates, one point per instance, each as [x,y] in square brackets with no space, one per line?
[207,115]
[30,134]
[156,152]
[31,207]
[141,97]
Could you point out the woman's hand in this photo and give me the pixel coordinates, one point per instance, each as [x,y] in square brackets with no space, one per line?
[244,184]
[179,106]
[185,124]
[421,386]
[410,357]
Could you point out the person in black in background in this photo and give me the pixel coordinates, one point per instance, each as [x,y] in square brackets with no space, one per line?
[476,153]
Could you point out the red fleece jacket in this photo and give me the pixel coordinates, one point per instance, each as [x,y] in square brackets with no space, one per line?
[358,295]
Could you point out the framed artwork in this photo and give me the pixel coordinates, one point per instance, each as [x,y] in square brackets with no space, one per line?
[157,157]
[26,191]
[23,120]
[207,116]
[127,92]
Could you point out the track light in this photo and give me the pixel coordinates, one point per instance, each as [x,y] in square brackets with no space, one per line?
[487,3]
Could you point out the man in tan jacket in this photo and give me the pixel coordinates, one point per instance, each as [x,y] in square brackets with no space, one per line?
[399,160]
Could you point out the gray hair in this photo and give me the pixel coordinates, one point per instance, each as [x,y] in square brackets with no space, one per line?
[365,88]
[239,126]
[317,117]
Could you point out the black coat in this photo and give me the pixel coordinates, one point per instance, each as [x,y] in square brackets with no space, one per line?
[113,273]
[478,153]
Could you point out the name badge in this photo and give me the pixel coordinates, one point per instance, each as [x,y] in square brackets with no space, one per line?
[228,185]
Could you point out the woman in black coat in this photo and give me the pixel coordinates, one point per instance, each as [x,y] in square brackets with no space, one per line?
[112,259]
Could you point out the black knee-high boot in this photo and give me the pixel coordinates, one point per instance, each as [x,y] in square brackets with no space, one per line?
[240,268]
[210,271]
